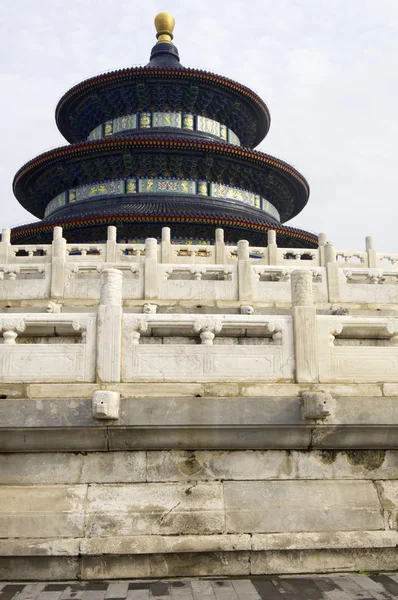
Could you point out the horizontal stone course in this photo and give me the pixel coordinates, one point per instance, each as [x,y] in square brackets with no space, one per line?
[164,544]
[42,511]
[154,508]
[52,468]
[274,506]
[200,508]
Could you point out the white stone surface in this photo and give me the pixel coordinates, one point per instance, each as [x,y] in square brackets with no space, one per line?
[275,506]
[44,511]
[182,483]
[142,509]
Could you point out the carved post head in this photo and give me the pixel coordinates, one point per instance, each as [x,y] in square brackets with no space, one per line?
[369,242]
[271,236]
[6,235]
[330,253]
[57,233]
[166,234]
[243,250]
[302,293]
[220,235]
[112,232]
[322,239]
[111,287]
[59,243]
[151,248]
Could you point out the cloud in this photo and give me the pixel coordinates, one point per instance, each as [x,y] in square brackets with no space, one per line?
[326,69]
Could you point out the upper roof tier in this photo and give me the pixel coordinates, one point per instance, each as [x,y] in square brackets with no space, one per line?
[164,84]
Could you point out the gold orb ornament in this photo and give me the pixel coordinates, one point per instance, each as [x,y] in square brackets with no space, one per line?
[164,23]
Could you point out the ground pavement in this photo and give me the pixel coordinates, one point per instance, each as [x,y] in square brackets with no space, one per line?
[336,587]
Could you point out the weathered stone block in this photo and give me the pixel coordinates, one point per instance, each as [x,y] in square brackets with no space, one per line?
[142,509]
[274,506]
[180,465]
[164,544]
[177,465]
[323,561]
[322,540]
[45,511]
[390,389]
[166,565]
[69,468]
[43,568]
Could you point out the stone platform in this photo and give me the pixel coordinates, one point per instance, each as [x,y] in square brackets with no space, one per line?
[177,411]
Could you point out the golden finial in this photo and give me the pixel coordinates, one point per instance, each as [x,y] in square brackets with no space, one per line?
[164,23]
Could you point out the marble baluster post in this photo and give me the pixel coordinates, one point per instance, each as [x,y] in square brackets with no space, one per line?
[5,246]
[166,255]
[334,274]
[109,328]
[220,252]
[244,272]
[58,261]
[322,241]
[111,245]
[305,327]
[272,248]
[151,269]
[371,252]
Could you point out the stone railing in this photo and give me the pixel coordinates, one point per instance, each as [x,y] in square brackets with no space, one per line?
[164,271]
[110,343]
[167,252]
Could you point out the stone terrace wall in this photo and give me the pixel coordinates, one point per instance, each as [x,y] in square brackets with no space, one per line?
[209,410]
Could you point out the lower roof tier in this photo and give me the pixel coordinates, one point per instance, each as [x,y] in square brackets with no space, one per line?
[41,180]
[138,217]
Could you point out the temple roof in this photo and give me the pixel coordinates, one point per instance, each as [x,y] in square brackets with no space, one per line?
[138,135]
[51,173]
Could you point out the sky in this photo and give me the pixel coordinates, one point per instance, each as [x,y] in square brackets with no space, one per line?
[327,70]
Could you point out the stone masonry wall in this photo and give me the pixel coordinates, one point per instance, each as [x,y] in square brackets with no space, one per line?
[196,410]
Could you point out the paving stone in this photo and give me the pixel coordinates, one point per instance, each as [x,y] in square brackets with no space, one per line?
[202,588]
[244,587]
[73,592]
[117,590]
[94,595]
[138,594]
[51,594]
[331,590]
[139,585]
[354,591]
[181,590]
[97,585]
[141,594]
[285,587]
[307,588]
[388,584]
[31,591]
[375,589]
[224,590]
[267,589]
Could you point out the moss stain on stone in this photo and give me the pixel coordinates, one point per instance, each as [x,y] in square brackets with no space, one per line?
[328,457]
[190,465]
[368,459]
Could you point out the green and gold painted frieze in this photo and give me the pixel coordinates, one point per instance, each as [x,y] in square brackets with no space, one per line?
[155,120]
[159,186]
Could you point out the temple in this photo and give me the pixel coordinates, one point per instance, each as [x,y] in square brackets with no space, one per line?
[161,145]
[188,387]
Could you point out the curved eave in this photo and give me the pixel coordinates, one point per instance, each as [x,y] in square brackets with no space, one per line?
[79,91]
[300,235]
[99,148]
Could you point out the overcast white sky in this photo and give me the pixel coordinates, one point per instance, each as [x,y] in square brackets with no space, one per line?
[326,69]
